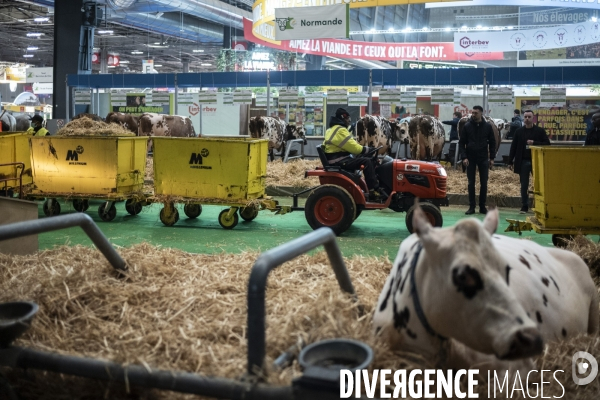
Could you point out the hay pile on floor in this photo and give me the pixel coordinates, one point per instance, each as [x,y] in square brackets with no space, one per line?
[589,251]
[88,127]
[502,183]
[291,173]
[182,311]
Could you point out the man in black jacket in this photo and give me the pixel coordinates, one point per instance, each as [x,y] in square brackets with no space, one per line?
[593,134]
[519,158]
[478,150]
[453,134]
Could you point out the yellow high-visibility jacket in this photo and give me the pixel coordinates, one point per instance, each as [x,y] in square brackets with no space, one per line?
[338,139]
[41,132]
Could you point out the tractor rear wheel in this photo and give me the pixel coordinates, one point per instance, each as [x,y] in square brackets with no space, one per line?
[432,212]
[330,206]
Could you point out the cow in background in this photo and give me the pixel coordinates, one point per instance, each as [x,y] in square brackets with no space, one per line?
[375,131]
[151,124]
[272,129]
[490,121]
[127,121]
[93,117]
[9,123]
[427,137]
[23,123]
[503,127]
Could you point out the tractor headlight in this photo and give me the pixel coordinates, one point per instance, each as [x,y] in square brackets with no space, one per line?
[441,171]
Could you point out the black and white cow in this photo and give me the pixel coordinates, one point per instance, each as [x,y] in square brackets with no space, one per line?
[276,131]
[483,299]
[427,137]
[376,131]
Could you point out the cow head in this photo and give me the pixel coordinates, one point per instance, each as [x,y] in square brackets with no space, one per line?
[400,132]
[461,280]
[404,129]
[255,126]
[295,132]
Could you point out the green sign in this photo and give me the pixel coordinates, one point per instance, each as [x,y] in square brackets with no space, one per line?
[434,65]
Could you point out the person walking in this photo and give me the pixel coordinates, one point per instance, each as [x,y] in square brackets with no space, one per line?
[453,134]
[519,159]
[478,150]
[593,134]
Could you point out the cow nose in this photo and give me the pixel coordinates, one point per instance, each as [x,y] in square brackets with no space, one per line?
[525,343]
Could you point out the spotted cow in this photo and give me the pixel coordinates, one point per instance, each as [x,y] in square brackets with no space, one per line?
[376,131]
[276,131]
[427,137]
[490,121]
[9,123]
[482,299]
[151,124]
[127,121]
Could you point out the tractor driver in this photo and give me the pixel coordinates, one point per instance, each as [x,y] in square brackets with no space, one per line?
[37,128]
[341,149]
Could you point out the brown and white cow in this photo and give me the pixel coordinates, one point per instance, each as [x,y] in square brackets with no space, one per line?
[127,121]
[276,132]
[483,300]
[503,127]
[375,131]
[490,121]
[427,137]
[151,124]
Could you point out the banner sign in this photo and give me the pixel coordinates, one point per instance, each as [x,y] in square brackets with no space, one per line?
[500,96]
[312,22]
[445,96]
[340,48]
[337,97]
[288,96]
[314,99]
[554,16]
[408,99]
[137,104]
[82,97]
[553,97]
[242,97]
[159,99]
[358,99]
[389,96]
[261,100]
[39,74]
[594,4]
[228,99]
[432,65]
[530,39]
[207,97]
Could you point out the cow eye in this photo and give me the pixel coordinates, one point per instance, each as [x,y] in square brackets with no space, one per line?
[467,280]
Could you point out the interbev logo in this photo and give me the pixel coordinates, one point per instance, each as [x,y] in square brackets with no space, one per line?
[465,42]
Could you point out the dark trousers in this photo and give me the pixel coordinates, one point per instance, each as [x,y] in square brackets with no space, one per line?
[353,164]
[526,170]
[483,164]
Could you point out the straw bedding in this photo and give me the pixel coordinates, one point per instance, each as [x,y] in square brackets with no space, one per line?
[182,311]
[88,127]
[502,182]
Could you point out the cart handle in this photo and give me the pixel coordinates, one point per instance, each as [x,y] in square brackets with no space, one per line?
[18,165]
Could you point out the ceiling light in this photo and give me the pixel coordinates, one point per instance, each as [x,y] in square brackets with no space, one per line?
[41,19]
[34,34]
[32,48]
[391,30]
[27,55]
[464,27]
[105,32]
[425,29]
[594,19]
[408,28]
[205,64]
[372,30]
[137,52]
[510,27]
[123,62]
[198,51]
[110,66]
[158,65]
[447,29]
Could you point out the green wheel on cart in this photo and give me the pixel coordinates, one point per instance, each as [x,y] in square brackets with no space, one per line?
[228,222]
[169,215]
[81,205]
[248,213]
[50,210]
[133,207]
[192,210]
[108,215]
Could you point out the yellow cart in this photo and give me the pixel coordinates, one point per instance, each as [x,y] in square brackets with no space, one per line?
[79,168]
[566,189]
[219,171]
[15,164]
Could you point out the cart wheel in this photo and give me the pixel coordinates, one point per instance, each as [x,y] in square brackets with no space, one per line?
[133,207]
[169,215]
[330,206]
[192,210]
[110,214]
[81,205]
[228,222]
[432,212]
[51,210]
[248,213]
[559,240]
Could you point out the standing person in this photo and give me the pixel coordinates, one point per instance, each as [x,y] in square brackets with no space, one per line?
[36,128]
[478,150]
[453,134]
[519,159]
[340,149]
[515,123]
[593,134]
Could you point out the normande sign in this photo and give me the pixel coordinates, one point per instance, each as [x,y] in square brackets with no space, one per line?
[312,23]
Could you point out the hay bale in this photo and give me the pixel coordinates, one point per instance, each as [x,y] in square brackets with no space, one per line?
[588,251]
[291,173]
[88,127]
[181,311]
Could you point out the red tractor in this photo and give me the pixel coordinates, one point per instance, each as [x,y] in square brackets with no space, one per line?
[342,195]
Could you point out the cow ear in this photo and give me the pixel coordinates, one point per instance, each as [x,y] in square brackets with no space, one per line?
[490,222]
[422,227]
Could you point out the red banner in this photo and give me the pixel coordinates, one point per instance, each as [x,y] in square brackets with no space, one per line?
[427,51]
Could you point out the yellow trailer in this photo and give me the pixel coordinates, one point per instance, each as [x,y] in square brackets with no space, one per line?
[15,164]
[79,168]
[566,190]
[229,172]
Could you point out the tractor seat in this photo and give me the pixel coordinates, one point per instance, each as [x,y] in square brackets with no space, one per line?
[325,161]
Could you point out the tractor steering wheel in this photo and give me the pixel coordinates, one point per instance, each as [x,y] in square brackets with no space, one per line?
[373,151]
